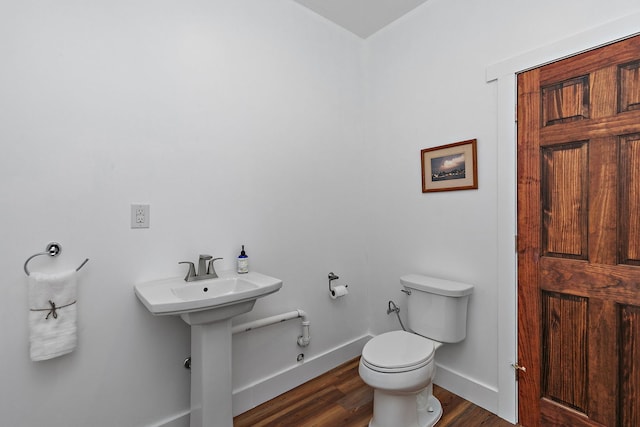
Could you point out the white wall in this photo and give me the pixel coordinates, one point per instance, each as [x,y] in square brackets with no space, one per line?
[246,122]
[239,122]
[426,77]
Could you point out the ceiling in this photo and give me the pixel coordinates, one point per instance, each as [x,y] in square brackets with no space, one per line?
[362,17]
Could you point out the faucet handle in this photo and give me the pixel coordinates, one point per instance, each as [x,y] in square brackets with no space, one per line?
[192,271]
[211,270]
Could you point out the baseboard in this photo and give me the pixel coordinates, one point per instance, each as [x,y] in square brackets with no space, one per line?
[480,394]
[180,420]
[274,385]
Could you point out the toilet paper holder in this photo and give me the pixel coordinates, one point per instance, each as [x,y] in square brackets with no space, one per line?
[331,278]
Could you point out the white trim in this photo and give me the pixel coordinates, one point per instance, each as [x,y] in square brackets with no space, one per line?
[480,394]
[604,34]
[181,420]
[267,388]
[504,73]
[507,259]
[280,382]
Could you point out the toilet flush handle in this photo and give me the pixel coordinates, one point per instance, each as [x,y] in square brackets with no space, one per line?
[406,291]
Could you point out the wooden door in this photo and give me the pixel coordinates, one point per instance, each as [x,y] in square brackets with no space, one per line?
[579,240]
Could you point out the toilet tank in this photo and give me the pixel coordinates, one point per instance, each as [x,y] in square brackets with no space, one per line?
[437,308]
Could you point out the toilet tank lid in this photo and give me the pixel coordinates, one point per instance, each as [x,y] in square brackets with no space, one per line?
[435,285]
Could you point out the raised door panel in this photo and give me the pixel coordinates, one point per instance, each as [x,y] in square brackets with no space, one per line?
[564,191]
[629,200]
[629,365]
[565,101]
[564,349]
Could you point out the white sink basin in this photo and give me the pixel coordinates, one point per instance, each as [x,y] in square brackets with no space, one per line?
[208,306]
[221,288]
[208,300]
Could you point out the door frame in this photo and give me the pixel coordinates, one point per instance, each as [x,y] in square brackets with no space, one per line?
[504,75]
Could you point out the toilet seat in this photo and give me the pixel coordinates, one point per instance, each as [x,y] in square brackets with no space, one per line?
[397,351]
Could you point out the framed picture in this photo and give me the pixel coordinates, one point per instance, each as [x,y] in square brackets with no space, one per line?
[450,167]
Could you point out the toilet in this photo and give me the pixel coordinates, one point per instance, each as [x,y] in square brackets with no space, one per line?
[400,365]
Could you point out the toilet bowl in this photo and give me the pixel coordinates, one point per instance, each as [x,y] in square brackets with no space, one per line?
[400,367]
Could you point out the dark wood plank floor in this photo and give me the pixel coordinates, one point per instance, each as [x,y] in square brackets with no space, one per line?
[339,398]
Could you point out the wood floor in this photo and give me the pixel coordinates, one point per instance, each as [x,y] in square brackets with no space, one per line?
[339,398]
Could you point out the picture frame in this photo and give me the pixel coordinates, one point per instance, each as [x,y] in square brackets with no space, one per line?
[450,167]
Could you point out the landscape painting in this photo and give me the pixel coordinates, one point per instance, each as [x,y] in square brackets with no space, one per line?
[450,167]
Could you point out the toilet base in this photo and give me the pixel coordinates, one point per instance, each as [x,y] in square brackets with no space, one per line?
[405,410]
[431,413]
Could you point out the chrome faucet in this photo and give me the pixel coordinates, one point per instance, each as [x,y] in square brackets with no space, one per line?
[204,271]
[202,265]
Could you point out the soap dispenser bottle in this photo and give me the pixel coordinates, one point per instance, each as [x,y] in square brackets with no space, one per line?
[243,262]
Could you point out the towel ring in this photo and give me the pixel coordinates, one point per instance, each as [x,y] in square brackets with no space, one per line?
[53,249]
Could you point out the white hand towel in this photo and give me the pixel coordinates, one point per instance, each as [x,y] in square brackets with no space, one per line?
[52,314]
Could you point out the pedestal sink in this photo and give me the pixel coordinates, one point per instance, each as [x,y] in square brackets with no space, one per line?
[208,306]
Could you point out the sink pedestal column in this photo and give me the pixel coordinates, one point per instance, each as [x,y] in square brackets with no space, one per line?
[211,386]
